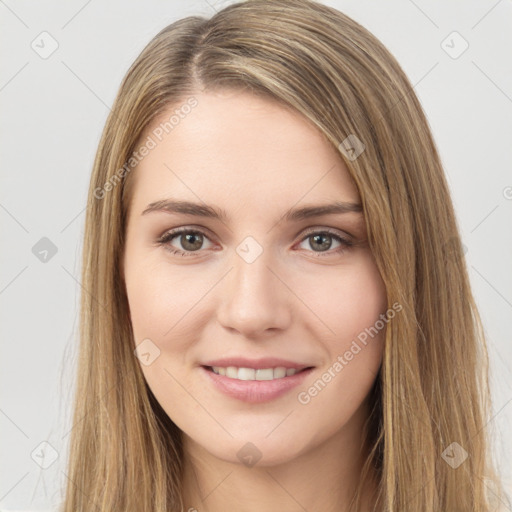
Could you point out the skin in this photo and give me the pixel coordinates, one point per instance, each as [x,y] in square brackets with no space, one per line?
[255,159]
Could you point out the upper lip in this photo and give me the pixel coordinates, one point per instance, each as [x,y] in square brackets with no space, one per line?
[265,362]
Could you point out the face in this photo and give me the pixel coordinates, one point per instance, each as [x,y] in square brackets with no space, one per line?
[251,281]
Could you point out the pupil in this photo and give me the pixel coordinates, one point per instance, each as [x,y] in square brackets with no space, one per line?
[189,241]
[325,245]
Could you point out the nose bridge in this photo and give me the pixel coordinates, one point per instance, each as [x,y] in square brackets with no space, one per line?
[252,275]
[253,298]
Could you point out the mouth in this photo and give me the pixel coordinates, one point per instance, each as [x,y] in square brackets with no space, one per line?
[255,374]
[255,385]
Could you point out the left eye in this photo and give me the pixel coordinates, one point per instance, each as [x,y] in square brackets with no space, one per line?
[323,240]
[192,240]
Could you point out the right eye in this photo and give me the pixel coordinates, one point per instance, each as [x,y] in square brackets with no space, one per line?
[190,240]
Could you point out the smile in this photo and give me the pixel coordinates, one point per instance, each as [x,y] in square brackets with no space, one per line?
[233,372]
[254,385]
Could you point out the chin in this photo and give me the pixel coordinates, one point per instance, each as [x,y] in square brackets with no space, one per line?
[256,450]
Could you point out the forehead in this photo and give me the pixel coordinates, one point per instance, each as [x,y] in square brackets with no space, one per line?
[240,147]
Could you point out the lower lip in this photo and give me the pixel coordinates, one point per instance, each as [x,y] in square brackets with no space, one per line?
[255,391]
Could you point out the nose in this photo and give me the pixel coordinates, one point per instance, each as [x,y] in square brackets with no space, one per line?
[254,299]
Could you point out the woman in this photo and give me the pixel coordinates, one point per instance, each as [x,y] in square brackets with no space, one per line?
[232,357]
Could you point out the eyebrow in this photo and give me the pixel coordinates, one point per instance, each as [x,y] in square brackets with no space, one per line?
[212,212]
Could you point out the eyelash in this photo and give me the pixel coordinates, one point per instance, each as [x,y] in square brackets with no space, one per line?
[170,235]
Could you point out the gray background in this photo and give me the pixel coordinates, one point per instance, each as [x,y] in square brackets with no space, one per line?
[53,111]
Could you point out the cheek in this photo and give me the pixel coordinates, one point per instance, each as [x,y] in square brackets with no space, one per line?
[164,322]
[360,299]
[160,301]
[354,311]
[346,301]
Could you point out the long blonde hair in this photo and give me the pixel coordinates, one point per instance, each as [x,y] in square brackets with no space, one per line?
[432,389]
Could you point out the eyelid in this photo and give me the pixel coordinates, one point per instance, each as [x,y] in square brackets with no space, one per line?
[188,228]
[323,229]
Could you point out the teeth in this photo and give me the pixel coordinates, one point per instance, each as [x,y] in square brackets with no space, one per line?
[246,373]
[264,374]
[251,374]
[231,372]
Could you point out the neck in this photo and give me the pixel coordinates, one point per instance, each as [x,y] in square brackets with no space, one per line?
[323,478]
